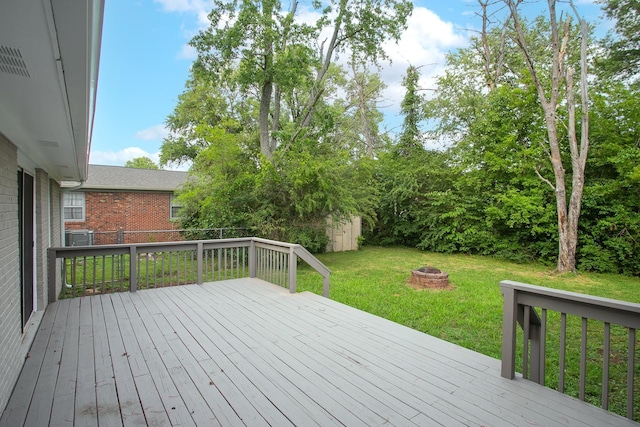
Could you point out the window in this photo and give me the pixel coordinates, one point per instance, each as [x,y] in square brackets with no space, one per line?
[73,206]
[175,207]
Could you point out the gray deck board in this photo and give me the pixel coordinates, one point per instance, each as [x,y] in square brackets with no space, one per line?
[63,400]
[247,353]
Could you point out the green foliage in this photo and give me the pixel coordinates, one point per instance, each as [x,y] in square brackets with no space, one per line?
[141,163]
[623,53]
[288,199]
[611,214]
[490,193]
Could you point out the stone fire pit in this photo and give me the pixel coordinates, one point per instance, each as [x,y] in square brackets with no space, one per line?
[429,278]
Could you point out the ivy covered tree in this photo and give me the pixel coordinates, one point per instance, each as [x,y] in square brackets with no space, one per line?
[407,175]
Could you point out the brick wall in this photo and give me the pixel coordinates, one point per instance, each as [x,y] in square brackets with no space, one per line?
[10,328]
[107,212]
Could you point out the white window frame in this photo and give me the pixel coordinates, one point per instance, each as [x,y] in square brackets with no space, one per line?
[66,203]
[173,204]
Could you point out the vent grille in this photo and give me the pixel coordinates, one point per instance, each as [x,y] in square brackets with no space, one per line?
[49,144]
[11,61]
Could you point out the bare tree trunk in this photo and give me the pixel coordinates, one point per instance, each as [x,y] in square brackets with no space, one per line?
[265,104]
[568,216]
[317,90]
[491,76]
[267,87]
[363,110]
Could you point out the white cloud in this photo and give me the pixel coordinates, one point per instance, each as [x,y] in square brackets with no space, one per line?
[152,133]
[119,158]
[424,44]
[190,6]
[188,52]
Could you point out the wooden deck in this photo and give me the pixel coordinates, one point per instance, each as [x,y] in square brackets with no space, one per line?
[245,352]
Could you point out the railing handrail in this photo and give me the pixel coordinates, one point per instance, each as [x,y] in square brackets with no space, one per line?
[598,308]
[520,302]
[133,249]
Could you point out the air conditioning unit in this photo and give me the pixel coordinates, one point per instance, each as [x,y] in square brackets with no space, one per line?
[78,238]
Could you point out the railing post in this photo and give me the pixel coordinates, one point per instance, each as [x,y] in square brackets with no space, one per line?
[199,256]
[133,275]
[325,286]
[293,269]
[51,274]
[252,259]
[509,313]
[536,356]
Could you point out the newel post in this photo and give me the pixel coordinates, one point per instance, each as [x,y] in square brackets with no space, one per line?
[51,274]
[293,266]
[252,259]
[509,313]
[199,256]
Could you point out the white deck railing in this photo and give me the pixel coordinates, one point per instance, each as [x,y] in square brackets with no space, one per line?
[86,270]
[520,303]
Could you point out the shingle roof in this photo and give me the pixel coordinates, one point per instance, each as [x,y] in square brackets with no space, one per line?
[122,178]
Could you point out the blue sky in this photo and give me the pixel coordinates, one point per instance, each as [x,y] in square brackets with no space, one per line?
[145,62]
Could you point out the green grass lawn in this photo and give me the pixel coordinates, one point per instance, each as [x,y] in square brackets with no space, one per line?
[374,279]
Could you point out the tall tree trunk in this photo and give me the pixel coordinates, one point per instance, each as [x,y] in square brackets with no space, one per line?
[568,215]
[265,104]
[266,147]
[363,109]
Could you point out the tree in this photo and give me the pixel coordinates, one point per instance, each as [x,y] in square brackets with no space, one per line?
[274,58]
[141,163]
[623,48]
[364,91]
[413,110]
[507,104]
[407,175]
[550,100]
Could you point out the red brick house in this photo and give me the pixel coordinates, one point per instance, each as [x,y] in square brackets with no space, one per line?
[122,205]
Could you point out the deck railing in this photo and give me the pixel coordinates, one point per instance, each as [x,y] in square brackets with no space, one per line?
[87,270]
[603,346]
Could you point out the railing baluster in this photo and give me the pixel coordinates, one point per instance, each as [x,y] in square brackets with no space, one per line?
[94,275]
[84,275]
[170,268]
[113,272]
[163,274]
[583,358]
[219,262]
[186,269]
[138,269]
[525,350]
[104,266]
[606,354]
[72,265]
[133,270]
[630,370]
[146,271]
[563,351]
[543,346]
[226,256]
[155,269]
